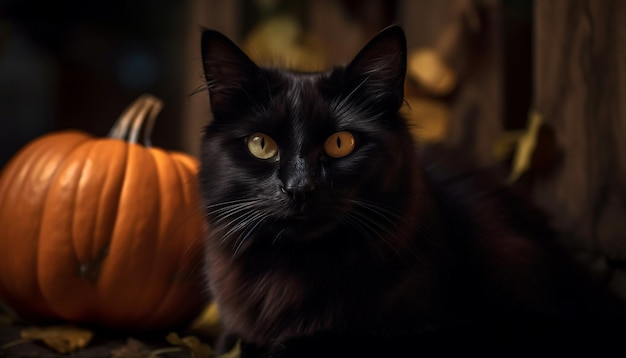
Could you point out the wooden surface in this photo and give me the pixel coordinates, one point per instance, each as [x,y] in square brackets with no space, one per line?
[476,106]
[580,88]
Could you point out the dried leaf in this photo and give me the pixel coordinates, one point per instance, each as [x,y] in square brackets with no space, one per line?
[235,352]
[132,349]
[526,147]
[197,348]
[429,69]
[300,49]
[504,146]
[208,322]
[63,339]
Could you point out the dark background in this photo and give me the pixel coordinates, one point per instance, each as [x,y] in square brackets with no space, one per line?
[70,64]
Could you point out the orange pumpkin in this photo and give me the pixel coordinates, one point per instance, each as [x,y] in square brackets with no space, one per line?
[102,231]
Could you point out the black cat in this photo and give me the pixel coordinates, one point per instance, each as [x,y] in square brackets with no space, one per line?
[333,234]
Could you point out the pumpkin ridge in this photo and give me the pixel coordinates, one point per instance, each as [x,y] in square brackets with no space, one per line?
[83,271]
[106,222]
[118,196]
[171,294]
[10,174]
[104,228]
[181,192]
[188,178]
[37,253]
[148,313]
[75,239]
[136,153]
[107,315]
[44,245]
[187,169]
[128,272]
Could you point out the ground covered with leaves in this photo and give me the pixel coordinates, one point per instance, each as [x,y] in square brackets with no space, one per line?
[19,339]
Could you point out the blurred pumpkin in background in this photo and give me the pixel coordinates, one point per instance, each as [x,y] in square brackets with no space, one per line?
[102,231]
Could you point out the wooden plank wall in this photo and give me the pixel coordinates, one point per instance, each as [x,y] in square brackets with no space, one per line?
[580,89]
[476,105]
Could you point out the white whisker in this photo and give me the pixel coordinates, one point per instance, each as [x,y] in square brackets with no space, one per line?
[340,107]
[376,221]
[236,220]
[259,219]
[278,236]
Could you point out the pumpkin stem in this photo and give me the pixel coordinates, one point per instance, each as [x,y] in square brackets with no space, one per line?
[141,113]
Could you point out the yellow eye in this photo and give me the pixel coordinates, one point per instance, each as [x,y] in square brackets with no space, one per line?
[339,144]
[262,146]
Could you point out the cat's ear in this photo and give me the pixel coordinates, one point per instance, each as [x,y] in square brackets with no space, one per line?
[381,64]
[231,76]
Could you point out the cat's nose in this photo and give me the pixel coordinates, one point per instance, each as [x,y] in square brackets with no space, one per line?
[297,180]
[298,190]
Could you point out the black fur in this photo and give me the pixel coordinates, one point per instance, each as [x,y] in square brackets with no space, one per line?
[387,247]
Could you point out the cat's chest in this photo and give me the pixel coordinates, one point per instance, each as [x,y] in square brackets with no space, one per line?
[261,305]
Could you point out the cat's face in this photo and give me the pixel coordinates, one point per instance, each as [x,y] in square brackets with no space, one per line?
[293,156]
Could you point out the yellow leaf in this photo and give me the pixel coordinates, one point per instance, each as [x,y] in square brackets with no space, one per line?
[63,339]
[197,348]
[505,144]
[526,145]
[235,352]
[428,68]
[208,322]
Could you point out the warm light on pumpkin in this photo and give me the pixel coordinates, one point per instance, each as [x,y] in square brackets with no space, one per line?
[102,231]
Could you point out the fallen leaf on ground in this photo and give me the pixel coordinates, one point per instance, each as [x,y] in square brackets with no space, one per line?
[132,349]
[208,322]
[63,339]
[197,348]
[235,352]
